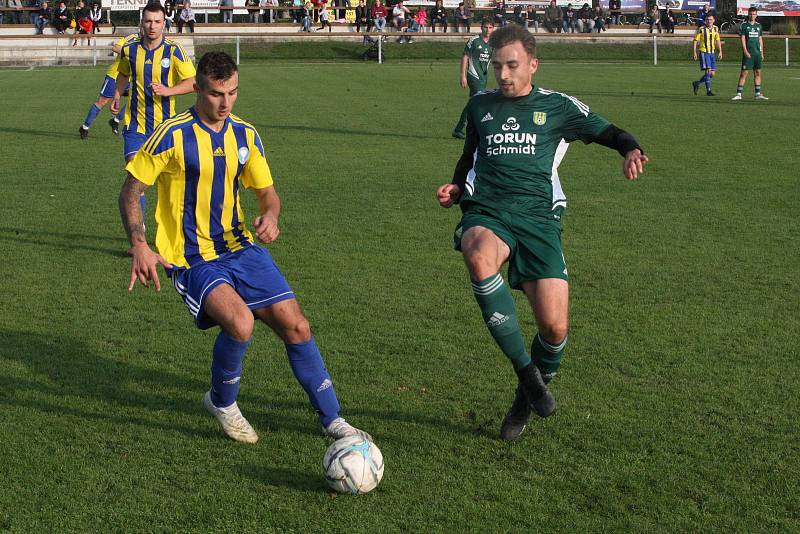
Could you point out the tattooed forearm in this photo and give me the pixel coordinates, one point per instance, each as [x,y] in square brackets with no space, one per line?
[130,211]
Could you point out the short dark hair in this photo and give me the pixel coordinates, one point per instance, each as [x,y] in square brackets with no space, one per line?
[512,33]
[753,9]
[215,66]
[487,20]
[152,7]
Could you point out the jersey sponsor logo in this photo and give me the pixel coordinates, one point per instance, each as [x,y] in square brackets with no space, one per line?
[511,124]
[165,63]
[219,152]
[244,153]
[510,143]
[539,118]
[497,319]
[487,117]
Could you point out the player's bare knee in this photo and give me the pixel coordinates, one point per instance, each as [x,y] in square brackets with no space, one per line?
[298,330]
[554,333]
[480,265]
[241,328]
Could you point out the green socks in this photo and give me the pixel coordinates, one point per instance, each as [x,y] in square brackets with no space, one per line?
[500,315]
[547,357]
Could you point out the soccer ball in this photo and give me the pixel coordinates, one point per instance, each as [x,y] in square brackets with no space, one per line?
[353,465]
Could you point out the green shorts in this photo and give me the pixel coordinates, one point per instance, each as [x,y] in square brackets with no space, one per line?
[751,63]
[535,243]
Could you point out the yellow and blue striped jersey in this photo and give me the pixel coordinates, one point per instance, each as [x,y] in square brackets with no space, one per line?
[199,174]
[708,37]
[113,69]
[167,64]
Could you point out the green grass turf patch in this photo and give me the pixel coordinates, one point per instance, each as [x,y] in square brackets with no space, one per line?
[678,404]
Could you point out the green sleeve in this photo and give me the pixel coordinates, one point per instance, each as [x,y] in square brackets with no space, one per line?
[580,122]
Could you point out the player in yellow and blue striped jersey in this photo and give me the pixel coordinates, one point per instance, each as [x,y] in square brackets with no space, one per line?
[708,41]
[200,161]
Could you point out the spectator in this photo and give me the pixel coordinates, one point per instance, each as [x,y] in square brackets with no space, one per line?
[379,15]
[568,20]
[324,18]
[308,9]
[412,27]
[317,6]
[655,18]
[615,8]
[463,17]
[297,11]
[34,12]
[269,14]
[83,22]
[438,15]
[599,19]
[552,18]
[585,19]
[399,12]
[96,14]
[169,16]
[186,17]
[15,16]
[668,20]
[499,14]
[61,18]
[531,20]
[227,13]
[43,17]
[519,15]
[361,15]
[421,16]
[702,13]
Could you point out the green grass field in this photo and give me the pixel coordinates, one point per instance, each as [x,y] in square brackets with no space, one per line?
[678,396]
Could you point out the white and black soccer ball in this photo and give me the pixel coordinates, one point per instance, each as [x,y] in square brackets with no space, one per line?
[353,465]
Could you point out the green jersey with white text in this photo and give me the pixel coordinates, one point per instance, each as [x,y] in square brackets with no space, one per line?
[516,145]
[479,54]
[752,35]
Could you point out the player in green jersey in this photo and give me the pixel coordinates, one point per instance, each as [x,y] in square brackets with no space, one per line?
[475,68]
[752,54]
[507,184]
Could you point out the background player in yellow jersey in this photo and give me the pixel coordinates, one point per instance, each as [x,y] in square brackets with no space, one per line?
[708,41]
[107,93]
[158,70]
[201,159]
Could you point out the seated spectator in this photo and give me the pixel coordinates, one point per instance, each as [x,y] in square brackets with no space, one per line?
[585,19]
[702,13]
[615,9]
[655,18]
[438,15]
[463,17]
[61,18]
[43,17]
[15,16]
[499,14]
[361,15]
[412,27]
[96,14]
[379,16]
[227,13]
[519,15]
[552,18]
[532,20]
[399,12]
[186,17]
[568,19]
[83,22]
[421,16]
[324,18]
[599,19]
[297,11]
[169,16]
[668,20]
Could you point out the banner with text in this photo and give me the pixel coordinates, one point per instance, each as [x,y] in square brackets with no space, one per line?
[789,8]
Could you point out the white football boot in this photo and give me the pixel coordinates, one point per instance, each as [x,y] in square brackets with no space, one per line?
[339,428]
[738,96]
[759,96]
[233,423]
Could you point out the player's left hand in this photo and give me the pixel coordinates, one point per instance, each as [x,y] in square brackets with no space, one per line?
[159,90]
[634,163]
[266,227]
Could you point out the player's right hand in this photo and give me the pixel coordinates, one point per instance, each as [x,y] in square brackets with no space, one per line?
[447,195]
[115,106]
[144,266]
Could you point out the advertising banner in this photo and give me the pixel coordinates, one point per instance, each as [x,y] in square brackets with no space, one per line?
[788,8]
[199,6]
[632,6]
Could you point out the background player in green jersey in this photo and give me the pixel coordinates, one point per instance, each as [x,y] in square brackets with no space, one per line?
[507,184]
[752,54]
[475,68]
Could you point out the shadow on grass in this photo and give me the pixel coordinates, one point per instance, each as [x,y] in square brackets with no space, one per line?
[64,240]
[345,131]
[288,478]
[39,133]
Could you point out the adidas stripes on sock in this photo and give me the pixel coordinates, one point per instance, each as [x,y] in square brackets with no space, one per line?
[500,315]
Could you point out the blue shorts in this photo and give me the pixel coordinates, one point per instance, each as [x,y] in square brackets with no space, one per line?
[109,84]
[132,142]
[708,60]
[251,272]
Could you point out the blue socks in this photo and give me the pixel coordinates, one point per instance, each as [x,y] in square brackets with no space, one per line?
[94,111]
[310,371]
[226,369]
